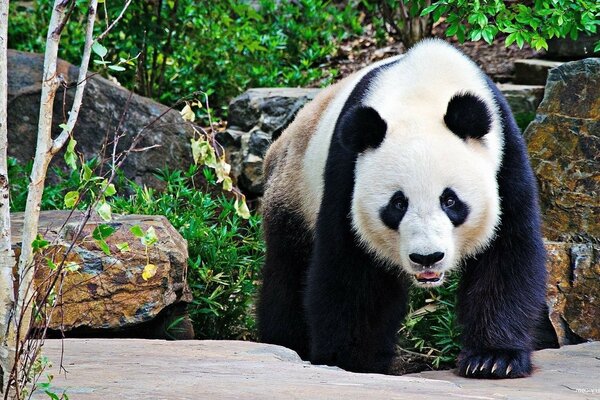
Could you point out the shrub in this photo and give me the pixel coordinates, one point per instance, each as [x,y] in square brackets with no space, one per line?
[225,251]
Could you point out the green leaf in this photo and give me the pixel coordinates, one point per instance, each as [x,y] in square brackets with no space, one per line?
[87,173]
[104,210]
[65,127]
[149,237]
[99,49]
[108,189]
[123,247]
[103,246]
[429,9]
[103,231]
[597,47]
[39,243]
[137,231]
[51,265]
[71,198]
[510,39]
[70,156]
[117,68]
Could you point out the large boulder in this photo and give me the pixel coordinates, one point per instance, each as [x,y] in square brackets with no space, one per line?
[258,116]
[106,108]
[564,146]
[107,294]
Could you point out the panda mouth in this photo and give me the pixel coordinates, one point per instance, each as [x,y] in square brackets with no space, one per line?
[429,277]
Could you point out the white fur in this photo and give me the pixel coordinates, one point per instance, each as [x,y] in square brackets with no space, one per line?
[318,147]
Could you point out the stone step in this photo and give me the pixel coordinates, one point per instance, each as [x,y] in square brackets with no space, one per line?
[533,71]
[153,369]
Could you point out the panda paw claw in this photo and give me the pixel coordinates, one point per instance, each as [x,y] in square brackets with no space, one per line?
[494,364]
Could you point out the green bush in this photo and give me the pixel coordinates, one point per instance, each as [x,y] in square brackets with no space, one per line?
[225,251]
[220,47]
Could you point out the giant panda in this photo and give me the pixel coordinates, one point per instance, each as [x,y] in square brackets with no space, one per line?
[400,174]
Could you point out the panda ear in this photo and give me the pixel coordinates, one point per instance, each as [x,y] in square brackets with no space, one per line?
[361,128]
[468,116]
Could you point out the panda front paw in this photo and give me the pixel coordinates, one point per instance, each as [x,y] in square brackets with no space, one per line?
[494,364]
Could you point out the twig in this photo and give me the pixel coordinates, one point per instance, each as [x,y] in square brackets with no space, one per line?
[112,25]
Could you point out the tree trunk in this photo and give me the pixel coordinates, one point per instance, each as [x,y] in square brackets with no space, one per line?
[7,261]
[46,147]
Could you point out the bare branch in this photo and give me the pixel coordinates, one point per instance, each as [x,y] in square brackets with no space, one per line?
[107,30]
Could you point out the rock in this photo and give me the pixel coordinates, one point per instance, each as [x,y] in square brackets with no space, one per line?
[104,105]
[564,147]
[107,294]
[574,291]
[143,369]
[258,116]
[532,71]
[523,100]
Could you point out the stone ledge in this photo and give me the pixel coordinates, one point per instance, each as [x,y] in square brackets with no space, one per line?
[151,369]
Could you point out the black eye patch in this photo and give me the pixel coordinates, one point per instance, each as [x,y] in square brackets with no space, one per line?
[456,210]
[392,213]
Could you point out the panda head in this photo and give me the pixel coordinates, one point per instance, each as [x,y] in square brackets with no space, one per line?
[425,194]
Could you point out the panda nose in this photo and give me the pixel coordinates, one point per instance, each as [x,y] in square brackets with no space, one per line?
[426,260]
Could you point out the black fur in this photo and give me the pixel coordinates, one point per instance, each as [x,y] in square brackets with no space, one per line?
[394,211]
[458,212]
[336,304]
[280,310]
[502,291]
[362,128]
[467,116]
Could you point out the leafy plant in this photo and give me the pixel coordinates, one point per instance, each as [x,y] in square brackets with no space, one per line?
[430,326]
[225,250]
[531,22]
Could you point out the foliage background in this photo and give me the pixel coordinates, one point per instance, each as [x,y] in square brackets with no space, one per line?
[220,47]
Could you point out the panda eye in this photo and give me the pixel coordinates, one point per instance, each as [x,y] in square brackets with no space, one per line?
[400,202]
[449,201]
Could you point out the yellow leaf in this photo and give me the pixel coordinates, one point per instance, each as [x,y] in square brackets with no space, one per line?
[227,184]
[241,208]
[187,113]
[149,271]
[222,169]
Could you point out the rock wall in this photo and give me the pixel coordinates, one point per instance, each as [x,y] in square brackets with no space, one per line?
[105,104]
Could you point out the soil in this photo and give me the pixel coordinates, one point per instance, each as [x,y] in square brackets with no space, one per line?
[495,59]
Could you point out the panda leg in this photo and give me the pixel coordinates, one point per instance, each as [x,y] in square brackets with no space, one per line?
[502,293]
[281,318]
[354,309]
[500,300]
